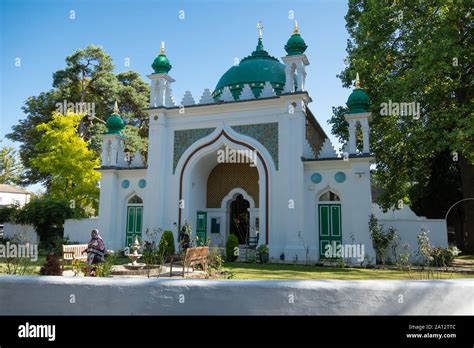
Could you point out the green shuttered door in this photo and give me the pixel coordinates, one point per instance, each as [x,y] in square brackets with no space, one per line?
[201,227]
[330,230]
[134,223]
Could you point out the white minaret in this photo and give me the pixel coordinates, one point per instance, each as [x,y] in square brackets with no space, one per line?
[295,62]
[112,147]
[358,104]
[160,86]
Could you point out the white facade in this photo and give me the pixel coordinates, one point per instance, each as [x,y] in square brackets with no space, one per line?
[304,191]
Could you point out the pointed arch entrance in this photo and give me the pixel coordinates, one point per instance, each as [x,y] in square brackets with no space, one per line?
[197,157]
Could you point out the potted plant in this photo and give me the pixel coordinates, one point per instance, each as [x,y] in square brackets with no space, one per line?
[263,253]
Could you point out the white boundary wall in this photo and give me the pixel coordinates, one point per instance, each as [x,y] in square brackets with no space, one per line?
[80,230]
[28,232]
[48,295]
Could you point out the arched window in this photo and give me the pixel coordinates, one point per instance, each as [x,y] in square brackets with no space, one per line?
[135,200]
[329,196]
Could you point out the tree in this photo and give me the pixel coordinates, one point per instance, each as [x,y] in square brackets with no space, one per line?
[47,215]
[63,156]
[88,77]
[416,52]
[10,166]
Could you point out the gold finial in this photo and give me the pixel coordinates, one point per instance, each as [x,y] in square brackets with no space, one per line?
[162,48]
[116,110]
[260,29]
[357,82]
[295,29]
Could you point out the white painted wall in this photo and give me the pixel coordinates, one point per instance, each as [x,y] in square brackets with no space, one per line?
[79,230]
[23,295]
[28,232]
[408,226]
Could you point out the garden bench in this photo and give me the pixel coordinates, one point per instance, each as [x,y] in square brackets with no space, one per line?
[73,252]
[191,257]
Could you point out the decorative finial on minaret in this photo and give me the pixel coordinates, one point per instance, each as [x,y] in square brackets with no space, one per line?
[295,30]
[357,82]
[116,109]
[260,28]
[162,48]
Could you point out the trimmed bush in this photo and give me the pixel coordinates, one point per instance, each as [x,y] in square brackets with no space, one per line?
[166,247]
[230,245]
[51,266]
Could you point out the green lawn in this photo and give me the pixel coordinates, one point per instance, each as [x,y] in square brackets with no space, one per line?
[301,272]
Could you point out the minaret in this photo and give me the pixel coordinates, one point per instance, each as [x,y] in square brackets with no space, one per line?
[112,144]
[295,62]
[160,87]
[358,104]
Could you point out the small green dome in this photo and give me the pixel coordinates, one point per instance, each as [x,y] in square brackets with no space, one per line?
[254,70]
[161,64]
[115,124]
[358,101]
[295,44]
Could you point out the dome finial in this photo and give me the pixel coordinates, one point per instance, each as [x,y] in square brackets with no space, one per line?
[357,82]
[260,29]
[162,48]
[116,109]
[295,29]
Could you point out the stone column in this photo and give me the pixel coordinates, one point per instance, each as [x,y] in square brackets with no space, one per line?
[365,134]
[289,85]
[352,137]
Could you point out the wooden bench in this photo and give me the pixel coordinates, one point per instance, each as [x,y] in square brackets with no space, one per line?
[191,257]
[73,252]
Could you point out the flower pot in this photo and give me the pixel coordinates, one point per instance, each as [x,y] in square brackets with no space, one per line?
[264,257]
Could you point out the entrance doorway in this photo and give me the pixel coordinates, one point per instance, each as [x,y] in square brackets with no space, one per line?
[239,218]
[330,229]
[134,219]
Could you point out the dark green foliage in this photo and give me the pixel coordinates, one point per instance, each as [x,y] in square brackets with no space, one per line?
[47,215]
[51,266]
[166,247]
[230,245]
[7,213]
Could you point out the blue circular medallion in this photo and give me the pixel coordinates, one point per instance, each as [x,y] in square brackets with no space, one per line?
[125,184]
[340,177]
[142,183]
[316,178]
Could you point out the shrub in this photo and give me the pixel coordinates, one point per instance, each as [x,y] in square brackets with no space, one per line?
[7,213]
[230,251]
[443,257]
[51,266]
[166,247]
[380,239]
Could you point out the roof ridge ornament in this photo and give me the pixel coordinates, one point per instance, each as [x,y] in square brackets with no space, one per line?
[260,29]
[295,29]
[162,48]
[116,109]
[357,82]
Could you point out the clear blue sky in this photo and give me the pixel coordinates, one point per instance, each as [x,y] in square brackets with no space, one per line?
[201,47]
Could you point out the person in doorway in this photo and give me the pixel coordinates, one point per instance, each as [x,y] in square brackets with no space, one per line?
[95,251]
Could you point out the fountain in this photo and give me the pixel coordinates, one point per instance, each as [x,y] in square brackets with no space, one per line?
[134,268]
[134,256]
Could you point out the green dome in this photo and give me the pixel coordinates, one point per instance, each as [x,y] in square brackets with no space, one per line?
[295,45]
[115,124]
[161,64]
[254,70]
[358,101]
